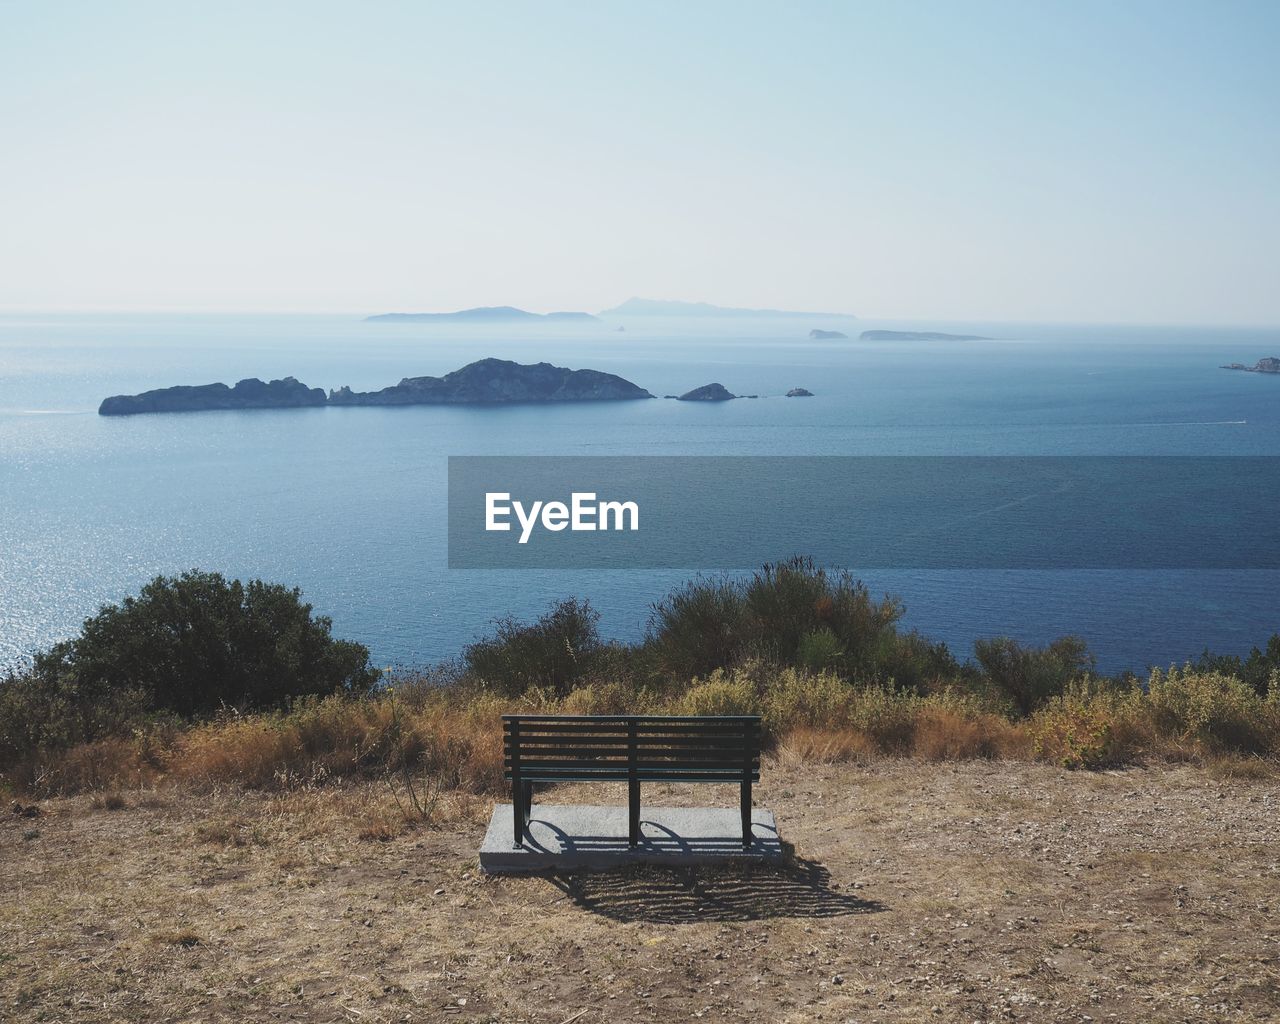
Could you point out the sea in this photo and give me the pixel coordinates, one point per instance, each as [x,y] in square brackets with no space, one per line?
[349,504]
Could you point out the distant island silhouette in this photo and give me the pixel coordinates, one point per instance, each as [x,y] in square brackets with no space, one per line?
[918,336]
[632,307]
[482,314]
[660,307]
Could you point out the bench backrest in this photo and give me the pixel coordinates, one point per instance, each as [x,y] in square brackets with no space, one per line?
[584,748]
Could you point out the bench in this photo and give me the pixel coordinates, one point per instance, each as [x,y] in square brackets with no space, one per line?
[629,748]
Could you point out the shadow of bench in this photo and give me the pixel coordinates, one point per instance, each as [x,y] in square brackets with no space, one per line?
[744,892]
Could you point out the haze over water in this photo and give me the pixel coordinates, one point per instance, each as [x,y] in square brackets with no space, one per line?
[349,504]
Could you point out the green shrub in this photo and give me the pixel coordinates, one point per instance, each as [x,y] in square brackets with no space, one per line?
[1216,711]
[819,649]
[722,694]
[914,662]
[888,716]
[553,653]
[1256,671]
[796,699]
[697,629]
[786,601]
[193,643]
[790,600]
[789,613]
[1029,676]
[1078,728]
[37,719]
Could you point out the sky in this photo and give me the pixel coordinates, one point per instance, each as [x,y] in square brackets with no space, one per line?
[1080,161]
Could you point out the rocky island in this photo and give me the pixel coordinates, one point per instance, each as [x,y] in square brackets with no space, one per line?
[485,382]
[817,335]
[918,336]
[707,393]
[1269,364]
[250,393]
[799,393]
[498,381]
[481,314]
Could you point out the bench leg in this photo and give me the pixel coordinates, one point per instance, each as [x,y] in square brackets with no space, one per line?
[745,801]
[527,803]
[517,810]
[633,813]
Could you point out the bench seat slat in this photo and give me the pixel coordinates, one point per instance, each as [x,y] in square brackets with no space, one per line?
[526,754]
[738,737]
[641,724]
[692,763]
[624,719]
[577,775]
[642,728]
[597,740]
[642,757]
[540,743]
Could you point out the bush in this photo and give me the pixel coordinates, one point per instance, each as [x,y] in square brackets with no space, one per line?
[819,649]
[721,694]
[697,629]
[1217,712]
[1255,671]
[789,601]
[193,643]
[553,653]
[36,716]
[791,613]
[795,700]
[824,664]
[1079,727]
[183,647]
[916,663]
[1029,676]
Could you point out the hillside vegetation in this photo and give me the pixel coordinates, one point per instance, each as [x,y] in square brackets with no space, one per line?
[204,683]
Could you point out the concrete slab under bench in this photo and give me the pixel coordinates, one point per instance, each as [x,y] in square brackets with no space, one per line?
[585,837]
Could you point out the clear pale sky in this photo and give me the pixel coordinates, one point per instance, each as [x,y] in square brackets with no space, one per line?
[1109,161]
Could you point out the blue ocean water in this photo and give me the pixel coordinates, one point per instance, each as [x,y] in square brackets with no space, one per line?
[349,504]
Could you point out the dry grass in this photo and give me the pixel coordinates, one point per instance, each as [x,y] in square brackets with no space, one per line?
[453,737]
[955,892]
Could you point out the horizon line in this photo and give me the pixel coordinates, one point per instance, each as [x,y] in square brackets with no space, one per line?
[7,311]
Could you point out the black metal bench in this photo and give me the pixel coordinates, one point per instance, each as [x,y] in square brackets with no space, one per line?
[632,749]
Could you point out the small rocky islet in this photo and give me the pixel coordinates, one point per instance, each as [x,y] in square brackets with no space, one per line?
[707,393]
[1269,364]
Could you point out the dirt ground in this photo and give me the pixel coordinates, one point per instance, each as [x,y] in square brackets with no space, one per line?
[952,892]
